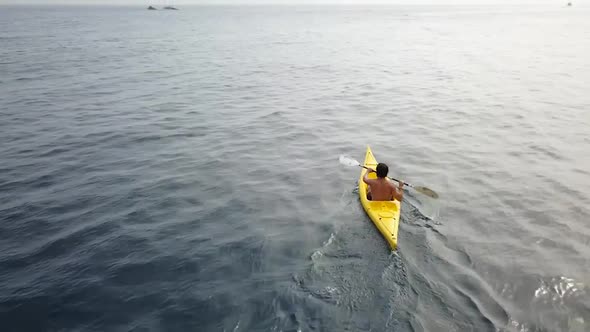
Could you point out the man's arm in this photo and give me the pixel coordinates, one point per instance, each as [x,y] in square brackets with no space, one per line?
[366,177]
[398,193]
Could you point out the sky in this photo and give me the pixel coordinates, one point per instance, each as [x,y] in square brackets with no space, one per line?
[202,2]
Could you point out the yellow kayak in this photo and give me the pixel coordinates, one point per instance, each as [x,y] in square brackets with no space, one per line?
[384,214]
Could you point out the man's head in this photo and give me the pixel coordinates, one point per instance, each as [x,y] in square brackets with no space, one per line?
[382,170]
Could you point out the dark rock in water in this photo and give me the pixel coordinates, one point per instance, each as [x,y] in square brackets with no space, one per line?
[170,8]
[151,8]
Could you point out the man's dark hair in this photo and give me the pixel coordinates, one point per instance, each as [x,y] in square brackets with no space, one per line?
[382,170]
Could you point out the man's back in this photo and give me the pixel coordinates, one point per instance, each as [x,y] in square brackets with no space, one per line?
[381,189]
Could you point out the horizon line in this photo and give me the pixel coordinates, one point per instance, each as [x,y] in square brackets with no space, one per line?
[508,4]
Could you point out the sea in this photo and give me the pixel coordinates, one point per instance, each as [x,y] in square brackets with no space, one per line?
[178,170]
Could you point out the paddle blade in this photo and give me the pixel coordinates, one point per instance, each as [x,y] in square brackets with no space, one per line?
[426,191]
[345,160]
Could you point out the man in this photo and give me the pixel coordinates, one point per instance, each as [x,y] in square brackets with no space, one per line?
[381,188]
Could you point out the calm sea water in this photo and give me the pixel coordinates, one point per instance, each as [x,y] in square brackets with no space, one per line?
[178,171]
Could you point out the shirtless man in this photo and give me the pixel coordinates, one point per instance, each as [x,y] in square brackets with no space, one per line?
[381,188]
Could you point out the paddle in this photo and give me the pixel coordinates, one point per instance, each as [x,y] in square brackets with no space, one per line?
[344,160]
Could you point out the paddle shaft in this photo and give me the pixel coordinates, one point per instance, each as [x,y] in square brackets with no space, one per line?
[394,179]
[423,190]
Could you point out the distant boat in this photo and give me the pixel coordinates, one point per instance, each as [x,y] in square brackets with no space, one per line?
[569,4]
[170,8]
[151,8]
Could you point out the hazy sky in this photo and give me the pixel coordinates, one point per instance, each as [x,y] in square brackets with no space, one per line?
[197,2]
